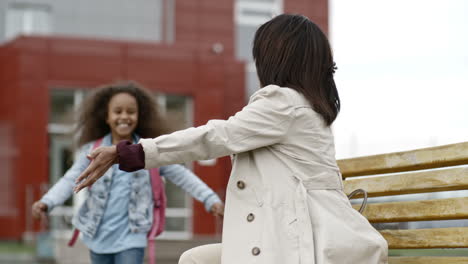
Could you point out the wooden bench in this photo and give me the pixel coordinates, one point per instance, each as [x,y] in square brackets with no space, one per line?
[427,170]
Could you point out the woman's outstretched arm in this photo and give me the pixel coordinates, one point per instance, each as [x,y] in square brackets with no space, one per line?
[263,122]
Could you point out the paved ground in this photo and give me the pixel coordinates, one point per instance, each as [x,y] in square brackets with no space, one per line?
[167,252]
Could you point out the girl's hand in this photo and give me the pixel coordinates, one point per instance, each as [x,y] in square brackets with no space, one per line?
[217,209]
[102,159]
[39,210]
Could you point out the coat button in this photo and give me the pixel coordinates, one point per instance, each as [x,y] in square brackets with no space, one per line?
[255,251]
[241,185]
[250,217]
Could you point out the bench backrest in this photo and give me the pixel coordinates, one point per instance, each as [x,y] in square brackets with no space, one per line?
[426,170]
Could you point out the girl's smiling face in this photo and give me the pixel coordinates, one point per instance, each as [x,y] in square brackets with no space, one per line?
[122,116]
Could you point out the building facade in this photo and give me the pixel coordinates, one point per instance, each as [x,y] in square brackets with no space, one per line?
[193,54]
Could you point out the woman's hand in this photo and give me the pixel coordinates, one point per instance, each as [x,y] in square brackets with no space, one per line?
[217,209]
[102,159]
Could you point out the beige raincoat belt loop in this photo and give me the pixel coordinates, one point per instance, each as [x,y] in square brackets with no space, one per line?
[306,241]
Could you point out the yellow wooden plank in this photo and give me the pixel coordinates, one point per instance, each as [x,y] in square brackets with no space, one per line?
[454,237]
[437,209]
[427,158]
[413,182]
[428,260]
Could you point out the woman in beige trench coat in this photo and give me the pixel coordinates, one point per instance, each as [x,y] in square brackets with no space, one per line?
[285,202]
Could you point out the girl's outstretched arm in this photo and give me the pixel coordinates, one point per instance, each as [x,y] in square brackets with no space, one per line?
[63,189]
[189,182]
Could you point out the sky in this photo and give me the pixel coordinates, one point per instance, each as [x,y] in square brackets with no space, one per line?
[402,74]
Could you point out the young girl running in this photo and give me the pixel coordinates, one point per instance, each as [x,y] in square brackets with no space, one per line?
[117,215]
[285,201]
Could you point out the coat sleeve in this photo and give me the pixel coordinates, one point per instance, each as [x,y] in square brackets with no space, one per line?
[263,122]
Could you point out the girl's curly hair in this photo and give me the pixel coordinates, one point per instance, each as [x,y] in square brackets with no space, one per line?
[92,114]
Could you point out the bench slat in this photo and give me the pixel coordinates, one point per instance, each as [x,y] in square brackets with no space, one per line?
[427,158]
[454,237]
[426,210]
[428,260]
[414,182]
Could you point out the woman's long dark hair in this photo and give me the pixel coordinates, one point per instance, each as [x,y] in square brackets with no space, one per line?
[92,114]
[291,51]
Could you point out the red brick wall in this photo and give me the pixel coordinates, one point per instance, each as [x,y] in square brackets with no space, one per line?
[44,63]
[316,10]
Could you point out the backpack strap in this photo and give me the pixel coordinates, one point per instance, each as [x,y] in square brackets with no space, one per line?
[76,231]
[97,143]
[72,241]
[159,212]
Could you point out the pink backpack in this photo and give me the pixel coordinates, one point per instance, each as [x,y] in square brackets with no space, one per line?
[159,210]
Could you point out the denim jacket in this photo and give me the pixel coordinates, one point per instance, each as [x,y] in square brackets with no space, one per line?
[140,207]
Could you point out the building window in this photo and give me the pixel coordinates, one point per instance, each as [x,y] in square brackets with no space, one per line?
[179,112]
[249,15]
[63,102]
[27,18]
[256,12]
